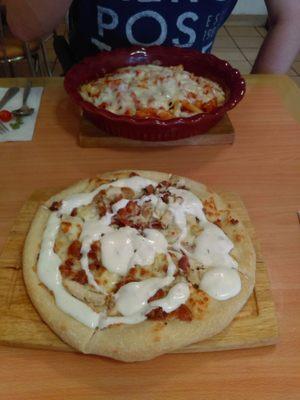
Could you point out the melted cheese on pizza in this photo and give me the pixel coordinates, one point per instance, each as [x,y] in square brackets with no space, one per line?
[133,249]
[153,91]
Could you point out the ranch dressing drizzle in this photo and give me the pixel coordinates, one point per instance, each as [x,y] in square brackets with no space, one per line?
[212,245]
[132,298]
[187,203]
[136,183]
[213,248]
[221,283]
[124,248]
[49,274]
[92,231]
[177,295]
[49,262]
[77,200]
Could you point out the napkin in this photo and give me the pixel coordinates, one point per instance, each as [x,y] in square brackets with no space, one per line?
[26,130]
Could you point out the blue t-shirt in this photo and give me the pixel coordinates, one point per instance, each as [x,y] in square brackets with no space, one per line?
[107,24]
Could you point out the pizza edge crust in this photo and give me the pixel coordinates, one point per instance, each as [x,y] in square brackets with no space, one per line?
[150,338]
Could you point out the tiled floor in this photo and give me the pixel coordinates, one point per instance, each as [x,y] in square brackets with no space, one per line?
[240,46]
[237,44]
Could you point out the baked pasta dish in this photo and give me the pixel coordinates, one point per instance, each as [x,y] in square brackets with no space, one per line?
[152,91]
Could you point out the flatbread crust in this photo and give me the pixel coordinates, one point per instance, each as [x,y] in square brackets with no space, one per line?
[150,338]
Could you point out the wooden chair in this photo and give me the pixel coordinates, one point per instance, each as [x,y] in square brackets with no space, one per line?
[13,50]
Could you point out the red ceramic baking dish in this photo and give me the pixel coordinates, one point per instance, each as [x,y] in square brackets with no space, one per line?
[154,129]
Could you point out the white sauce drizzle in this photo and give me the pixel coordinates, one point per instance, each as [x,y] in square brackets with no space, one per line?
[77,200]
[136,183]
[187,204]
[122,249]
[91,232]
[213,248]
[49,274]
[133,297]
[221,283]
[177,295]
[132,300]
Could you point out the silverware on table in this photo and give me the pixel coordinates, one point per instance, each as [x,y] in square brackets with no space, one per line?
[3,128]
[24,111]
[9,94]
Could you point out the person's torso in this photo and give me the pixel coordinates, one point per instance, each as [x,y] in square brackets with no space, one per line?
[107,24]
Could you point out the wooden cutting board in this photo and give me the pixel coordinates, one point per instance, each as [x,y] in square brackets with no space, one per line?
[20,324]
[91,136]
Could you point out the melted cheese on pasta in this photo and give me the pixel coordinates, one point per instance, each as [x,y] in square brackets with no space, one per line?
[154,91]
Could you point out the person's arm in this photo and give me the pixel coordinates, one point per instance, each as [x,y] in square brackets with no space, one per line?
[30,19]
[282,42]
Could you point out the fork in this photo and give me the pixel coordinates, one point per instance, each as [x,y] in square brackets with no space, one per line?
[3,128]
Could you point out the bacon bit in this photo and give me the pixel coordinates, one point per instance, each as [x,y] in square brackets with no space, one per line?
[74,249]
[92,254]
[149,189]
[233,221]
[74,212]
[99,197]
[80,277]
[65,226]
[69,262]
[156,224]
[158,314]
[132,272]
[218,222]
[122,217]
[183,313]
[101,209]
[165,197]
[133,174]
[116,198]
[94,266]
[158,295]
[164,184]
[95,246]
[184,264]
[120,222]
[66,270]
[55,206]
[133,208]
[122,213]
[143,271]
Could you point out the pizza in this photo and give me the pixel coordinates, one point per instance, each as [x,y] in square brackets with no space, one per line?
[152,91]
[134,264]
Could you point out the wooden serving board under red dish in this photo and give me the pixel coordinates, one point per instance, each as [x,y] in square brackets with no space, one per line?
[91,136]
[20,325]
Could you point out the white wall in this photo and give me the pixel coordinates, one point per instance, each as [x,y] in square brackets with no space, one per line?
[256,7]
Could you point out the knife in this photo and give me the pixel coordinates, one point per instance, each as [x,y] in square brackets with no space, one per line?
[9,94]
